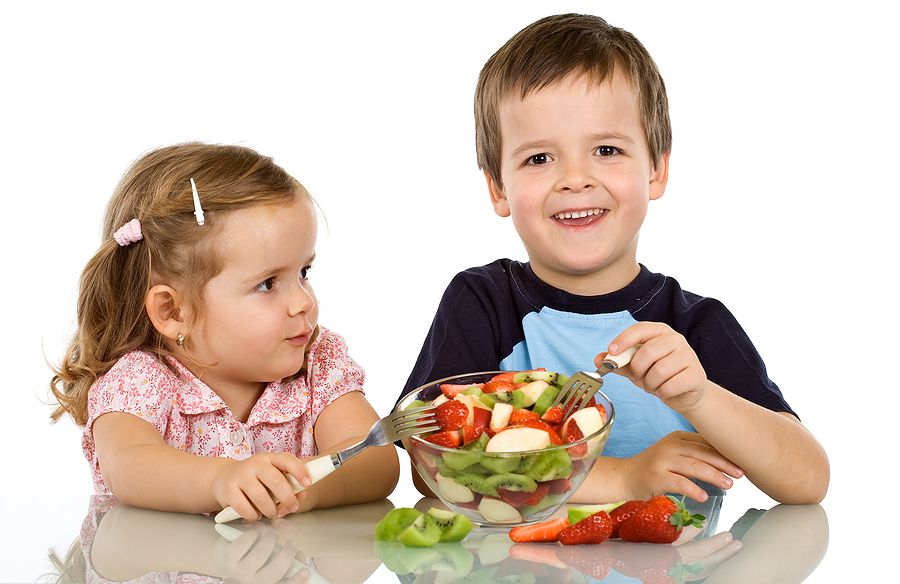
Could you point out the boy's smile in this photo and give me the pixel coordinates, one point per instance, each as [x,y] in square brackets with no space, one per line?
[577,179]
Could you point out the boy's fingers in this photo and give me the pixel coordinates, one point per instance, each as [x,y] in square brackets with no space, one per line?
[688,488]
[635,334]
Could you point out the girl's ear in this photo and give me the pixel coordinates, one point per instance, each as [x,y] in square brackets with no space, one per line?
[659,177]
[498,197]
[166,312]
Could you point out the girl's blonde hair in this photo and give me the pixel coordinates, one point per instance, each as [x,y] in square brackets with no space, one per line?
[156,190]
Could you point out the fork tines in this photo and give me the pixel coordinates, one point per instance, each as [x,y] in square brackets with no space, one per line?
[578,391]
[414,421]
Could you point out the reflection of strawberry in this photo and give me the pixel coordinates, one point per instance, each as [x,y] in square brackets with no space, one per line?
[543,531]
[660,520]
[651,564]
[536,553]
[592,529]
[594,562]
[451,415]
[447,438]
[559,486]
[623,512]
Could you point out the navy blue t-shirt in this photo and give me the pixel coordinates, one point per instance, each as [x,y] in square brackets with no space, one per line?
[502,316]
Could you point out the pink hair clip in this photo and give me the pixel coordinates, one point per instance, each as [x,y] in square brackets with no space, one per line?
[128,233]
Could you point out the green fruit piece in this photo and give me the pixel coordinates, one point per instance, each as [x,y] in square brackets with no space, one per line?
[524,578]
[512,482]
[395,523]
[456,562]
[423,532]
[454,526]
[388,553]
[576,514]
[547,466]
[416,403]
[475,483]
[474,390]
[529,376]
[561,380]
[460,460]
[480,444]
[500,464]
[542,404]
[514,398]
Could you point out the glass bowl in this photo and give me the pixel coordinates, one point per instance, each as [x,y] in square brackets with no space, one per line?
[503,489]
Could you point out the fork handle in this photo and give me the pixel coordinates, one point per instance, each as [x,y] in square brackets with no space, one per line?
[623,358]
[316,468]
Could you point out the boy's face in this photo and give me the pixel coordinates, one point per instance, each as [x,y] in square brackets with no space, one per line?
[577,179]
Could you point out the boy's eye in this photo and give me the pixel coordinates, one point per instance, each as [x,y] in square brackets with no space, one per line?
[304,272]
[538,159]
[266,285]
[605,151]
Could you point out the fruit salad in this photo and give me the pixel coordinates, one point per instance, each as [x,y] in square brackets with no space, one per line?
[506,456]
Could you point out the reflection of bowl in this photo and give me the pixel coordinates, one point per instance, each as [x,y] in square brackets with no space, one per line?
[503,489]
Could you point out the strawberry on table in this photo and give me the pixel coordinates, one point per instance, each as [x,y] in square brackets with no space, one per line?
[543,531]
[659,520]
[451,415]
[623,512]
[595,528]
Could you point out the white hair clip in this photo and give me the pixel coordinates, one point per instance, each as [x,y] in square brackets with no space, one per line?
[198,210]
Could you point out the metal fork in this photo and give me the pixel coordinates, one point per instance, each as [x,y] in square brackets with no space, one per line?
[582,386]
[389,429]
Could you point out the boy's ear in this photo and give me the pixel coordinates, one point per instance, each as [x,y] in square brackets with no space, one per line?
[659,176]
[164,307]
[498,197]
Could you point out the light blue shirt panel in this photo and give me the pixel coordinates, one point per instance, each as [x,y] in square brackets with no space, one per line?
[568,342]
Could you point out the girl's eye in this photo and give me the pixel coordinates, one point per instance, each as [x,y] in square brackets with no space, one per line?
[266,285]
[538,159]
[304,272]
[607,151]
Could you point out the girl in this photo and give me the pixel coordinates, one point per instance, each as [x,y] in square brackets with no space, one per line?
[198,369]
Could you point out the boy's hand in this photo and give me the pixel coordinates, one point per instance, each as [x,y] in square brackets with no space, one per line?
[665,365]
[250,485]
[669,465]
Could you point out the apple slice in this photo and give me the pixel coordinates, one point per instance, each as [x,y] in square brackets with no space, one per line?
[500,416]
[439,400]
[518,439]
[453,491]
[496,511]
[533,391]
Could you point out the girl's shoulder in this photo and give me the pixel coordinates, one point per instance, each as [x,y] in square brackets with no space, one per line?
[330,363]
[138,370]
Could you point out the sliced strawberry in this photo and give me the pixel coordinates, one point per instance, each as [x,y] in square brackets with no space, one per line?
[519,499]
[595,528]
[541,425]
[601,409]
[553,415]
[573,434]
[543,531]
[498,385]
[471,434]
[451,415]
[446,438]
[481,418]
[508,376]
[559,486]
[520,415]
[623,512]
[450,390]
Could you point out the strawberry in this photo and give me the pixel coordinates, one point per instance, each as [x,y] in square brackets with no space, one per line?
[450,389]
[541,425]
[660,520]
[471,434]
[519,499]
[600,409]
[553,415]
[507,376]
[543,531]
[520,415]
[498,385]
[447,438]
[623,512]
[592,529]
[451,415]
[573,434]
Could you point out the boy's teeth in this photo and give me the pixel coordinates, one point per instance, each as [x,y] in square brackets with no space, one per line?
[578,214]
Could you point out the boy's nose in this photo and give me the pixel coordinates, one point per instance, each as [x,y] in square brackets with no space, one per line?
[576,177]
[302,300]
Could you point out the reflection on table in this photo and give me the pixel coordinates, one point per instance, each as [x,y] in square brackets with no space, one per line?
[118,543]
[781,545]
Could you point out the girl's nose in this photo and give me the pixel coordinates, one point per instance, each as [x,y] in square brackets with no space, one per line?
[302,299]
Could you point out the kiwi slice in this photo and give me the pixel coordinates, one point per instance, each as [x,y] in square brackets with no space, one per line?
[423,532]
[529,376]
[416,403]
[542,404]
[454,526]
[395,522]
[512,482]
[500,464]
[547,466]
[475,483]
[460,460]
[515,398]
[474,390]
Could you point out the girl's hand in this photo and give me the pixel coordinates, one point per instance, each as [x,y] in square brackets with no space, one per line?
[250,485]
[665,365]
[669,465]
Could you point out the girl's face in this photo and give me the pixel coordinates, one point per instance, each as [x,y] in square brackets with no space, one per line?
[260,310]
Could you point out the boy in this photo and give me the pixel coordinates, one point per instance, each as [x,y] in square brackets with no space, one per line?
[573,136]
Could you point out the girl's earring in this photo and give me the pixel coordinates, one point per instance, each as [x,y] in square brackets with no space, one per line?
[180,340]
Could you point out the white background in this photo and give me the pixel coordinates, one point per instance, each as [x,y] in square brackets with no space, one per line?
[782,195]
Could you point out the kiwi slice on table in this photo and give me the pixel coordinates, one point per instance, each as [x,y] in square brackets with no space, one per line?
[512,482]
[476,483]
[500,464]
[453,526]
[423,532]
[395,522]
[547,466]
[515,398]
[542,404]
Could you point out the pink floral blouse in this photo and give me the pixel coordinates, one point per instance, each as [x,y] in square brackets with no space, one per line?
[191,417]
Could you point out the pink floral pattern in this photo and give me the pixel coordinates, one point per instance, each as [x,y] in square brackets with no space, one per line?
[191,417]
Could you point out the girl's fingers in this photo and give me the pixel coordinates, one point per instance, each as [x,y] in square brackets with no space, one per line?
[279,487]
[240,503]
[293,466]
[261,499]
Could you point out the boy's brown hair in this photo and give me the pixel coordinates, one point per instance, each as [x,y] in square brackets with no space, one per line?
[553,48]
